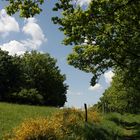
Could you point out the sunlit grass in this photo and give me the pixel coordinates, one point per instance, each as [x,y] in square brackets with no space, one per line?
[12,114]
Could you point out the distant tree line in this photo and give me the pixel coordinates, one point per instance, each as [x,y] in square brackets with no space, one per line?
[119,97]
[32,78]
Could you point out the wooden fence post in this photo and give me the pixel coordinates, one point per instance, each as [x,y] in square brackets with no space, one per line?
[85,105]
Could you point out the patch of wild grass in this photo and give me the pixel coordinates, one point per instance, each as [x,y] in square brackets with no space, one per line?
[68,124]
[12,115]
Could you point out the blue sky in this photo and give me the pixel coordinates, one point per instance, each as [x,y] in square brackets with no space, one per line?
[19,35]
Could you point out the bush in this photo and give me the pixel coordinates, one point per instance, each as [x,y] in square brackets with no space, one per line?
[28,96]
[67,124]
[37,129]
[94,116]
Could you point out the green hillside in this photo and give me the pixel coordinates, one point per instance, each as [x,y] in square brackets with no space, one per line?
[12,114]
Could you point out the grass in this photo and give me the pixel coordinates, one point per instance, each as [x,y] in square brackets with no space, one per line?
[127,125]
[110,126]
[12,115]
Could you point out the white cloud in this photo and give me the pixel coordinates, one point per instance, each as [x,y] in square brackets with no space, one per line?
[108,76]
[30,28]
[83,2]
[96,87]
[7,24]
[33,29]
[14,47]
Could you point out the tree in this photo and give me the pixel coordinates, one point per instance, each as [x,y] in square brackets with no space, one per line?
[41,73]
[120,98]
[106,34]
[27,8]
[9,75]
[32,78]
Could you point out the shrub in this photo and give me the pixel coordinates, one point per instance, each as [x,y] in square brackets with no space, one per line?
[37,129]
[94,116]
[68,124]
[28,96]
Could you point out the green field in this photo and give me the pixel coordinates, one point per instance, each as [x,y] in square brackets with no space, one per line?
[12,114]
[111,126]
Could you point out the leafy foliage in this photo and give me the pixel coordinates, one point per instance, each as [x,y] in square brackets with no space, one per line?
[40,72]
[119,97]
[27,8]
[27,96]
[102,35]
[9,75]
[33,78]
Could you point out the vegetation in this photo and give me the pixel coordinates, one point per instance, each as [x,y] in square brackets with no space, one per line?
[122,127]
[70,124]
[67,124]
[32,78]
[9,74]
[11,115]
[120,98]
[26,8]
[101,34]
[105,35]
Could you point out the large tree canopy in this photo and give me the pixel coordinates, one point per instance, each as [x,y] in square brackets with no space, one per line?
[106,34]
[32,78]
[40,72]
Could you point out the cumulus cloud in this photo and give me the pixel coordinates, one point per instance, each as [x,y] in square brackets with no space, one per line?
[33,29]
[14,47]
[34,41]
[108,76]
[7,24]
[96,87]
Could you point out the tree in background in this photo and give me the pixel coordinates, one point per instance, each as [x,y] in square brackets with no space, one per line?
[10,73]
[41,73]
[32,78]
[120,98]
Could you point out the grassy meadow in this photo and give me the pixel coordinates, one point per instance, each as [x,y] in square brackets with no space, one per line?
[33,122]
[13,114]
